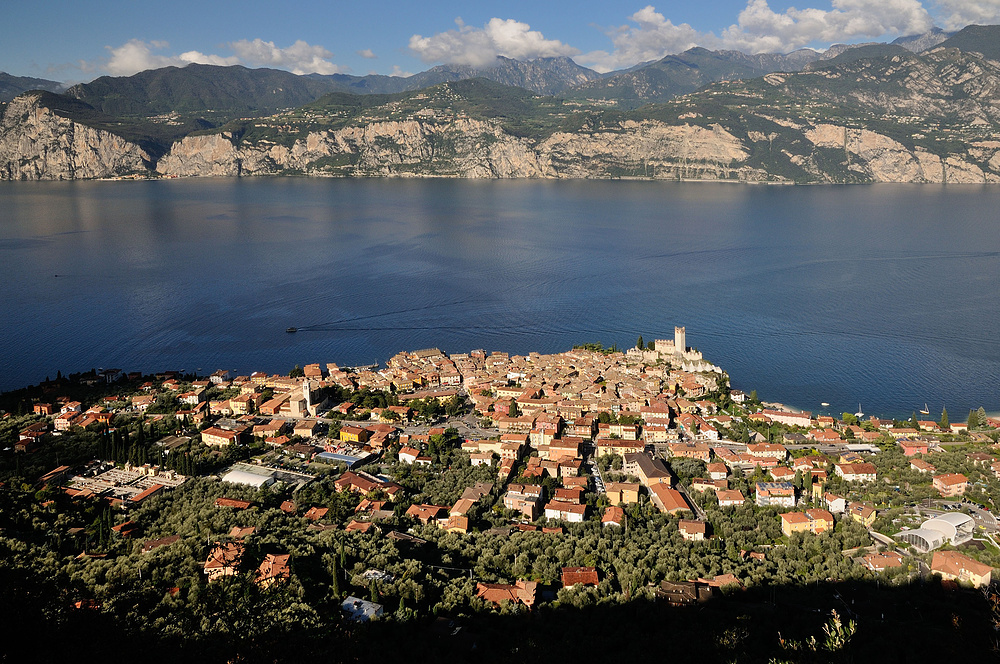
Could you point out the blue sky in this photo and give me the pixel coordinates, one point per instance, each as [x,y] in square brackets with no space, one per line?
[77,40]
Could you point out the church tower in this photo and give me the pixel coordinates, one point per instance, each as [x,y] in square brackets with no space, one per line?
[680,340]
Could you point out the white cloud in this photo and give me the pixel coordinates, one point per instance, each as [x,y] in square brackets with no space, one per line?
[299,58]
[398,71]
[480,46]
[759,29]
[956,14]
[367,53]
[653,37]
[136,55]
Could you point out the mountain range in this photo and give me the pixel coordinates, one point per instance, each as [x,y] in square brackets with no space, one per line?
[919,109]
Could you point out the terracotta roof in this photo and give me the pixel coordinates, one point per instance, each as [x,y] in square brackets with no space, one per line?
[571,576]
[231,502]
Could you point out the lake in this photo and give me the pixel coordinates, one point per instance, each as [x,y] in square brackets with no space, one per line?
[885,296]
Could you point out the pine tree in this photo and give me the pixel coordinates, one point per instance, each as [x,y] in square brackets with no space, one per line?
[944,423]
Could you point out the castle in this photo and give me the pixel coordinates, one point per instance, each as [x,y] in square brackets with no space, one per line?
[677,353]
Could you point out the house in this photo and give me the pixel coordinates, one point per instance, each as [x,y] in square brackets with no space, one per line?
[879,562]
[826,436]
[31,436]
[683,593]
[216,437]
[521,592]
[455,523]
[622,492]
[952,565]
[803,419]
[730,498]
[835,503]
[363,483]
[231,502]
[558,509]
[586,576]
[912,447]
[426,513]
[126,530]
[613,516]
[523,498]
[650,471]
[618,447]
[305,428]
[241,532]
[359,610]
[701,484]
[856,472]
[699,451]
[767,450]
[951,484]
[693,531]
[569,494]
[782,474]
[862,513]
[150,545]
[408,455]
[273,569]
[316,513]
[224,560]
[717,471]
[813,521]
[922,466]
[780,494]
[980,458]
[668,500]
[353,434]
[481,458]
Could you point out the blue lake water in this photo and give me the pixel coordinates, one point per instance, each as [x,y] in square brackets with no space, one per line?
[887,296]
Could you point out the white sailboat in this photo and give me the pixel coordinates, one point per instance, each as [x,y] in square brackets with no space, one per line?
[860,413]
[925,411]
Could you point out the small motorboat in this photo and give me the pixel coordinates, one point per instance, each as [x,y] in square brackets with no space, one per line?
[292,330]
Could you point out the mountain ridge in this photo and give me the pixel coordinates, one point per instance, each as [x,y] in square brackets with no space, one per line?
[871,113]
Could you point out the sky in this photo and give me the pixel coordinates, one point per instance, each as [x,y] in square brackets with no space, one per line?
[78,40]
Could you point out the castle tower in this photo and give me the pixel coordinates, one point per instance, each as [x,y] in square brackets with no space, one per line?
[680,340]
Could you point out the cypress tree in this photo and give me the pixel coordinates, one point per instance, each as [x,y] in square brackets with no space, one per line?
[335,574]
[944,423]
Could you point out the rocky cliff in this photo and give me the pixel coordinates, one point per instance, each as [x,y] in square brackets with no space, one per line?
[648,149]
[475,149]
[38,144]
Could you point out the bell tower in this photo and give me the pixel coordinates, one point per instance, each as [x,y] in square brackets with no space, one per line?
[680,340]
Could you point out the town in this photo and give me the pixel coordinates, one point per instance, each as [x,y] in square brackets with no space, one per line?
[446,486]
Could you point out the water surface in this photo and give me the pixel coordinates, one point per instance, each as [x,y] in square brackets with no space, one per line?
[882,295]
